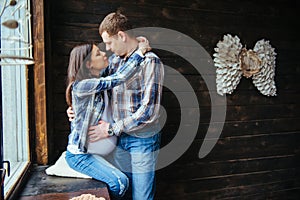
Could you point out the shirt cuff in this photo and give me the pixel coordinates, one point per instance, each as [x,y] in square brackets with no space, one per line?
[116,127]
[139,52]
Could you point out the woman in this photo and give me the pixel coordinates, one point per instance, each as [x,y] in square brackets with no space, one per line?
[86,92]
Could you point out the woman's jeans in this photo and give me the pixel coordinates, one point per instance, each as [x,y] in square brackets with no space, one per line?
[98,168]
[137,157]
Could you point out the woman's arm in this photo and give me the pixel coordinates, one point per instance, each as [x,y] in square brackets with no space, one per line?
[91,86]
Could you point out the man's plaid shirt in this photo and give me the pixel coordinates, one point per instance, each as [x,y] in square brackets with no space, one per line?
[136,103]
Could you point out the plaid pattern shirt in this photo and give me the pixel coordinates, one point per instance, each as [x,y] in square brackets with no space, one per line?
[135,103]
[88,103]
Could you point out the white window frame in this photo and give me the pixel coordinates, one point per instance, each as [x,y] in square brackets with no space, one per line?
[15,123]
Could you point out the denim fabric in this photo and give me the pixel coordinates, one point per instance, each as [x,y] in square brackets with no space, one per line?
[98,168]
[136,157]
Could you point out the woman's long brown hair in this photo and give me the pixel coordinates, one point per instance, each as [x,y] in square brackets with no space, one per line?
[77,69]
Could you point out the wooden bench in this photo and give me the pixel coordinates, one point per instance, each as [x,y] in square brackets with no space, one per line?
[40,186]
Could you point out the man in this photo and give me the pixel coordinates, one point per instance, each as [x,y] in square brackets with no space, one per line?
[135,108]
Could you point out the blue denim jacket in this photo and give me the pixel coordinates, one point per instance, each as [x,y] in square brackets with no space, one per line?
[88,103]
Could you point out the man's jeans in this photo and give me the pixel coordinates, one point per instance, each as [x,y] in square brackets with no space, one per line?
[137,157]
[100,169]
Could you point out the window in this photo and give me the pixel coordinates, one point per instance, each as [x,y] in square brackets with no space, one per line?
[14,123]
[15,43]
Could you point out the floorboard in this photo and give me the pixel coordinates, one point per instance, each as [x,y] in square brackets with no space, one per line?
[40,186]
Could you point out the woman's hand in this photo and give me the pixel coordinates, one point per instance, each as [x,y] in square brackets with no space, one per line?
[70,114]
[143,44]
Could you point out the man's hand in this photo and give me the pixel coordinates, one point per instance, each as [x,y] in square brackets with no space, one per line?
[98,132]
[70,113]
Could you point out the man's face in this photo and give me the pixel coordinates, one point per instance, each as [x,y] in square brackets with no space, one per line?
[114,43]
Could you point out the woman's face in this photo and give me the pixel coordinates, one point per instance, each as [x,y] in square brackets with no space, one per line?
[98,61]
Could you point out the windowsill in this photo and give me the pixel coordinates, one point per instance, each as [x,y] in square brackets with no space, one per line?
[41,186]
[16,172]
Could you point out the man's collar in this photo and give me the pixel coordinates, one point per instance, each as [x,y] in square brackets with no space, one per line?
[129,54]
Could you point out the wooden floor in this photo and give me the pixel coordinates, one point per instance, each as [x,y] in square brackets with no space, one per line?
[40,186]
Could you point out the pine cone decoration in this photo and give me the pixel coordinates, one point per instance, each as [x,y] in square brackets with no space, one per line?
[232,61]
[87,197]
[264,80]
[227,62]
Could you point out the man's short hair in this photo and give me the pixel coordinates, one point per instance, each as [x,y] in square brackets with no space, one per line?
[115,22]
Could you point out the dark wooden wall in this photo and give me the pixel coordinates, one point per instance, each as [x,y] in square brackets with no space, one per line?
[257,155]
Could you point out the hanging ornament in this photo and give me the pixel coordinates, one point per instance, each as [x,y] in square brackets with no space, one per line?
[233,61]
[13,3]
[11,23]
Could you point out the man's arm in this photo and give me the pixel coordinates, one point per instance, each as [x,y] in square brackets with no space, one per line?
[149,109]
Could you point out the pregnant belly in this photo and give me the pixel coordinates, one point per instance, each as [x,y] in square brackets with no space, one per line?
[103,146]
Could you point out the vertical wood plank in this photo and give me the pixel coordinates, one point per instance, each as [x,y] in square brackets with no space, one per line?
[39,81]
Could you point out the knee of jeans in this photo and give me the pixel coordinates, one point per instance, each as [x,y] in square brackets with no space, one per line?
[122,182]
